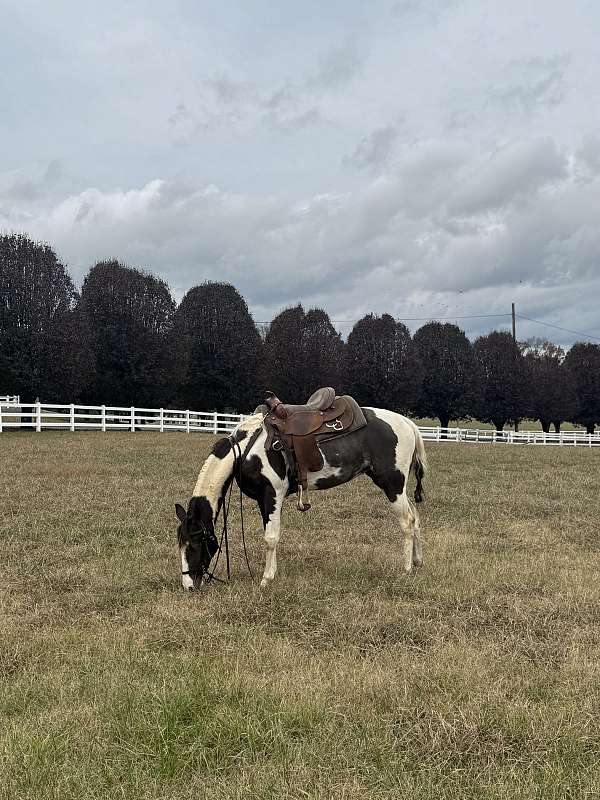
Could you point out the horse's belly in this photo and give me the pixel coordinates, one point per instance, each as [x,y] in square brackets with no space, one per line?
[331,475]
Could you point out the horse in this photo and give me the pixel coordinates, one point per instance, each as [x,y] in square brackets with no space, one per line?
[386,450]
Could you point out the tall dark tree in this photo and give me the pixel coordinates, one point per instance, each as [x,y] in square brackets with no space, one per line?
[128,314]
[382,365]
[217,351]
[551,392]
[583,363]
[41,352]
[450,382]
[302,351]
[503,379]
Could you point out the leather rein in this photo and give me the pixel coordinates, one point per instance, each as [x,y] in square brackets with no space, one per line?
[239,459]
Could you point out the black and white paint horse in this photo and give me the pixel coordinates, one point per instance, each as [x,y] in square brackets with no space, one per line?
[385,450]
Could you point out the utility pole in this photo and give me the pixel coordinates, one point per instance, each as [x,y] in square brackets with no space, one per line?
[514,334]
[514,327]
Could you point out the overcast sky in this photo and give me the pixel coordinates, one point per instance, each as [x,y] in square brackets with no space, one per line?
[425,158]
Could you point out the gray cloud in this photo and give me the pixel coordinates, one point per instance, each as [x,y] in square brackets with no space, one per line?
[215,143]
[532,83]
[516,170]
[588,153]
[337,67]
[374,151]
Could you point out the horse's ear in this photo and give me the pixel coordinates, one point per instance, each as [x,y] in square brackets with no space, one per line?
[181,512]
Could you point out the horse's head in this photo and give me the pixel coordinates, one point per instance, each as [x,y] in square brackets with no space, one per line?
[197,541]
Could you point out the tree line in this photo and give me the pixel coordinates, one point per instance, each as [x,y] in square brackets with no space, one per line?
[124,341]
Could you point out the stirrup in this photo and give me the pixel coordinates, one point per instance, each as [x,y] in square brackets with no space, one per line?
[301,505]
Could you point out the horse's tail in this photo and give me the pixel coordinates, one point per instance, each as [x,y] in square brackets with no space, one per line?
[419,464]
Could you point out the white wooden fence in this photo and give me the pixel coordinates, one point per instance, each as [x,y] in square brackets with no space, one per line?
[44,416]
[487,436]
[51,416]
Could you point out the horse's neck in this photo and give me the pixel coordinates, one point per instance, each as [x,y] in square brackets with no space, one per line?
[213,477]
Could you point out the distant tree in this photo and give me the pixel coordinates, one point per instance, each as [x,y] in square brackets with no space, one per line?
[216,348]
[503,378]
[41,351]
[127,314]
[382,365]
[450,382]
[302,351]
[282,364]
[551,392]
[583,363]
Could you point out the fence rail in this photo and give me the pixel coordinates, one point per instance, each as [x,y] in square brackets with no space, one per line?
[44,416]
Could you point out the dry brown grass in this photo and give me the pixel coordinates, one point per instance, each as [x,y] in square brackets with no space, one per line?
[477,677]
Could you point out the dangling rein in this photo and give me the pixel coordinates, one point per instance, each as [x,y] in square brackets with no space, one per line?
[210,576]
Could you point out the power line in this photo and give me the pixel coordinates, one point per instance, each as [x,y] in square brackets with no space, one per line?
[559,328]
[464,316]
[409,319]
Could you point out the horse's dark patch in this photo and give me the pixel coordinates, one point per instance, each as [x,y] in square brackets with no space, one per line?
[277,462]
[239,436]
[200,512]
[252,479]
[258,487]
[221,448]
[382,447]
[197,534]
[392,483]
[419,475]
[267,503]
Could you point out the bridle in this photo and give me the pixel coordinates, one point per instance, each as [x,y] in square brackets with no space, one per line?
[239,459]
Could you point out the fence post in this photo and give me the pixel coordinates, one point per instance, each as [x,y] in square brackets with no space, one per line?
[215,423]
[132,419]
[161,420]
[187,420]
[72,418]
[103,419]
[0,419]
[38,417]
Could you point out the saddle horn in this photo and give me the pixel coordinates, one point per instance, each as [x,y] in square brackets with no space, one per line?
[275,405]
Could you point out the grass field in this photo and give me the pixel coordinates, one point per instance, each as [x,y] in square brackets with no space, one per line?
[477,677]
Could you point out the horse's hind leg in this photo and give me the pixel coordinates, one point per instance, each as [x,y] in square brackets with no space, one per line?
[406,518]
[394,485]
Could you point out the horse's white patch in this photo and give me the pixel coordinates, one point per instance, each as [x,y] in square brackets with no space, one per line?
[186,580]
[404,429]
[213,475]
[272,531]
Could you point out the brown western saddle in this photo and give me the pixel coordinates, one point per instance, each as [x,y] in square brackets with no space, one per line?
[298,429]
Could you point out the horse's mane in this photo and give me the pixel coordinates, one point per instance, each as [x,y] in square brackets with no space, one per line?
[251,423]
[216,469]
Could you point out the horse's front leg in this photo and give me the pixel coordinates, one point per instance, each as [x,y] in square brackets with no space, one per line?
[271,514]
